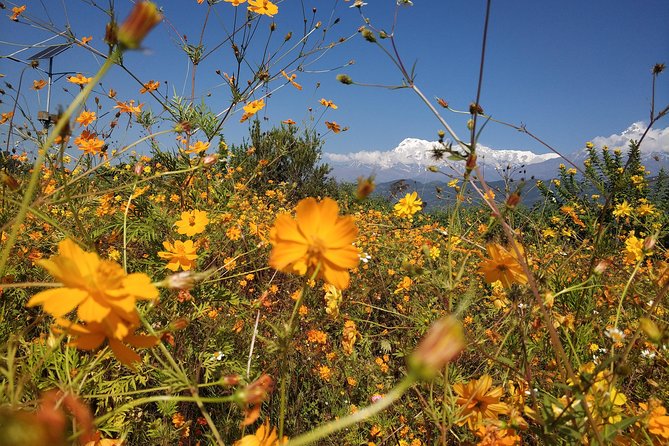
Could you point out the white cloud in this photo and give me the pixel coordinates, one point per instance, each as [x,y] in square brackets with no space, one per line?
[656,141]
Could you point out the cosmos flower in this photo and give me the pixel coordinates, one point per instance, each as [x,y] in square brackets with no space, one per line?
[90,336]
[263,7]
[129,107]
[333,126]
[502,265]
[235,2]
[149,86]
[100,289]
[408,205]
[85,118]
[252,108]
[318,238]
[198,147]
[180,255]
[192,222]
[479,402]
[79,79]
[38,84]
[328,104]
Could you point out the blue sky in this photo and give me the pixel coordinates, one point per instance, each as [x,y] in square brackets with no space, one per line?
[570,70]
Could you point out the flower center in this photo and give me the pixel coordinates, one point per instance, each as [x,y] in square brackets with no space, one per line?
[191,221]
[315,250]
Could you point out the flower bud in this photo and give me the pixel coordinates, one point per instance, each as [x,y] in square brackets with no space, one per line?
[649,243]
[230,380]
[650,329]
[602,266]
[142,19]
[9,181]
[441,134]
[365,187]
[180,323]
[513,200]
[210,160]
[471,162]
[368,35]
[344,79]
[440,345]
[139,167]
[434,169]
[288,36]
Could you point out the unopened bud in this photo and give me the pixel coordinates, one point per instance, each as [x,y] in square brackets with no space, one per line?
[210,160]
[470,124]
[272,26]
[383,35]
[513,200]
[9,181]
[442,102]
[602,266]
[139,168]
[258,391]
[650,329]
[142,19]
[111,30]
[288,36]
[475,109]
[649,243]
[344,79]
[471,162]
[317,25]
[441,134]
[180,323]
[368,35]
[434,169]
[230,380]
[440,345]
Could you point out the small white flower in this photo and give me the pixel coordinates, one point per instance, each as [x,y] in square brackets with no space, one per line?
[219,355]
[615,333]
[364,257]
[648,354]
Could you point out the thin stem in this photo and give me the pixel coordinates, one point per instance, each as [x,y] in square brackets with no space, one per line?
[361,415]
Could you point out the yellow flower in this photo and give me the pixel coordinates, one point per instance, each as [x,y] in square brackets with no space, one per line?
[622,210]
[86,118]
[100,290]
[317,239]
[91,336]
[264,7]
[198,147]
[408,205]
[79,79]
[235,2]
[478,402]
[192,222]
[503,265]
[633,249]
[328,104]
[263,437]
[180,255]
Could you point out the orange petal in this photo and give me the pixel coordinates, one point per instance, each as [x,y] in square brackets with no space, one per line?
[59,301]
[91,310]
[123,353]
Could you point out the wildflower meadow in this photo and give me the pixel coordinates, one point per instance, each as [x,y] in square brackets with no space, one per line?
[164,283]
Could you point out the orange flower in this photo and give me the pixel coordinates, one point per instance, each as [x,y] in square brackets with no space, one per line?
[263,7]
[478,402]
[198,147]
[79,79]
[16,12]
[252,108]
[90,336]
[503,265]
[328,104]
[38,84]
[4,117]
[288,121]
[89,143]
[658,423]
[180,255]
[291,79]
[86,118]
[129,107]
[150,86]
[143,17]
[236,2]
[85,40]
[100,290]
[333,126]
[317,239]
[192,222]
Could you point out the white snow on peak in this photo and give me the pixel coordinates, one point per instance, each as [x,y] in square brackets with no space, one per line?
[418,153]
[656,141]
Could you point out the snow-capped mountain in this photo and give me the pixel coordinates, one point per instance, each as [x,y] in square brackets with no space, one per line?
[412,157]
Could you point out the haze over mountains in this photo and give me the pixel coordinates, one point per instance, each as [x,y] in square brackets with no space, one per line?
[412,157]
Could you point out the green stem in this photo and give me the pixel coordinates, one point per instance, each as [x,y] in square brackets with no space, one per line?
[361,415]
[41,156]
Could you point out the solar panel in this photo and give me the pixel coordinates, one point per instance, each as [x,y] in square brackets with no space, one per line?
[50,51]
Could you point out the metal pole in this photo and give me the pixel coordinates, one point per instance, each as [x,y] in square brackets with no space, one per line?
[48,95]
